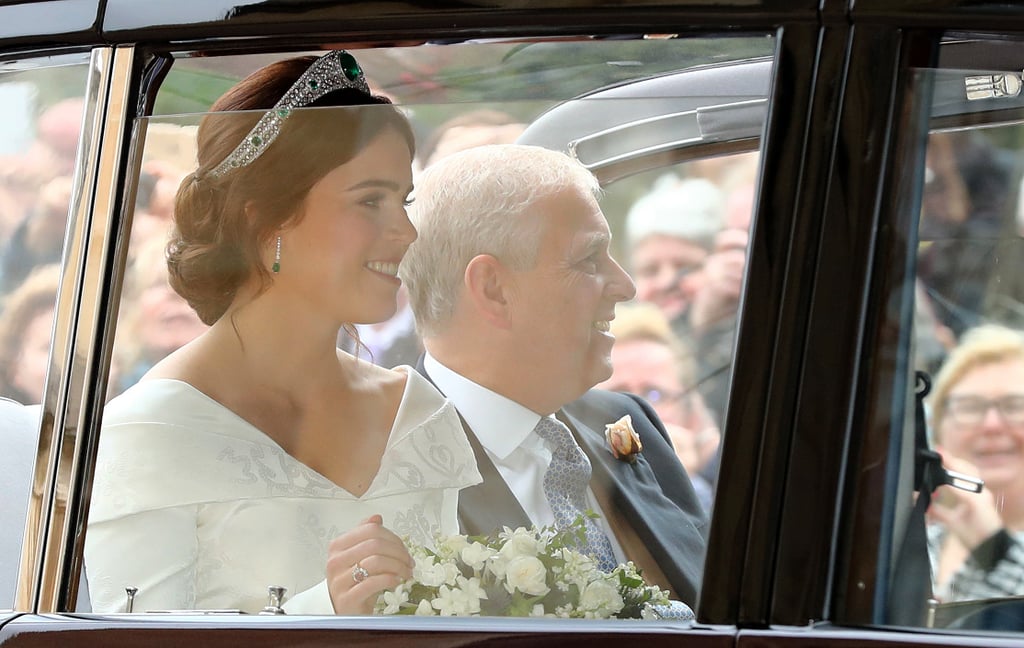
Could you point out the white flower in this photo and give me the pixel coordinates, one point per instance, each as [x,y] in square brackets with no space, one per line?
[521,542]
[453,601]
[475,555]
[424,608]
[471,588]
[529,564]
[526,574]
[393,599]
[430,573]
[564,611]
[578,568]
[601,598]
[451,546]
[451,572]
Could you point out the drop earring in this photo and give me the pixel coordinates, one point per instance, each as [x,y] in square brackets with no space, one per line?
[277,257]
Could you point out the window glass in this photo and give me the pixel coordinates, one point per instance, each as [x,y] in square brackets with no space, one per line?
[196,477]
[42,105]
[968,341]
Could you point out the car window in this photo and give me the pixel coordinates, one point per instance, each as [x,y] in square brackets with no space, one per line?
[39,135]
[966,350]
[670,127]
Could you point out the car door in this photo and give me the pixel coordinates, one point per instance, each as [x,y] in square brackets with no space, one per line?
[156,76]
[816,379]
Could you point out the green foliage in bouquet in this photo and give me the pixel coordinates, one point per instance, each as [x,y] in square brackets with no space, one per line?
[521,572]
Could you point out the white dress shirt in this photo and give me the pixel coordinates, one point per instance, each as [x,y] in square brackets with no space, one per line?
[505,430]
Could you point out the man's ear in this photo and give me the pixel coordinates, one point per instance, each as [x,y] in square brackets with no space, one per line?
[487,283]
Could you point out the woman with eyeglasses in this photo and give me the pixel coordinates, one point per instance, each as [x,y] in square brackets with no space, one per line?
[977,417]
[650,361]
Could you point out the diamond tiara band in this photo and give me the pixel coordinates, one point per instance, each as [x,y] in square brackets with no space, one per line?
[332,71]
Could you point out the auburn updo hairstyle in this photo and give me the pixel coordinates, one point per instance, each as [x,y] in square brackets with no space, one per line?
[216,243]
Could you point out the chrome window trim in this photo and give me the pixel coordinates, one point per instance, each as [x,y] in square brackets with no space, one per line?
[70,382]
[44,483]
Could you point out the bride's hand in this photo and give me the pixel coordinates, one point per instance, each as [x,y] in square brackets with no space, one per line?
[382,557]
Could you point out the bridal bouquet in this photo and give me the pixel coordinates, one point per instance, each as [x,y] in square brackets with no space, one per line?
[521,572]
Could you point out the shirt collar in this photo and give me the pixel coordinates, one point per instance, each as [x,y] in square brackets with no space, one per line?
[500,424]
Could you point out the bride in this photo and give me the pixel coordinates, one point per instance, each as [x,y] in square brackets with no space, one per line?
[259,454]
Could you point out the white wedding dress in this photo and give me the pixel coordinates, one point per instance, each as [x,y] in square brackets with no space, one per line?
[198,509]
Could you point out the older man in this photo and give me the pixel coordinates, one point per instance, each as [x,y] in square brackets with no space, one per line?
[513,288]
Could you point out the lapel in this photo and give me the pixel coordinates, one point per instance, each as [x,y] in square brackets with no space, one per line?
[629,485]
[649,523]
[603,485]
[489,505]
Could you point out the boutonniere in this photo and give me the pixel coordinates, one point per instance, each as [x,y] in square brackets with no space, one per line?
[623,441]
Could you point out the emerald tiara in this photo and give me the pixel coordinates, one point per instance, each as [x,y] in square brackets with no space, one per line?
[333,71]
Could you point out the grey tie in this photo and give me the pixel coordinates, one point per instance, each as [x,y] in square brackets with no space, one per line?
[565,487]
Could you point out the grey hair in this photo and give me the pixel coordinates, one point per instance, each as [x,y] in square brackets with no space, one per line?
[471,203]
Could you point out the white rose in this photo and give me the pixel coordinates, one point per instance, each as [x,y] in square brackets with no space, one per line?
[526,574]
[601,598]
[452,545]
[520,542]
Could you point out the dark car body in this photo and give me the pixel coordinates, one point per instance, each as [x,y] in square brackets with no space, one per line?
[811,464]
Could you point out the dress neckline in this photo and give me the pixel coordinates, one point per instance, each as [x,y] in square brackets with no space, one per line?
[369,493]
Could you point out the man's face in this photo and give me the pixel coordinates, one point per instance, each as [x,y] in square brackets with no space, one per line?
[561,308]
[667,272]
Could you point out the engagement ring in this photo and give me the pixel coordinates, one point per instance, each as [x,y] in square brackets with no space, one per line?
[359,574]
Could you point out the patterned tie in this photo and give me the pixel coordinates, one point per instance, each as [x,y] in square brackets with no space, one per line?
[565,486]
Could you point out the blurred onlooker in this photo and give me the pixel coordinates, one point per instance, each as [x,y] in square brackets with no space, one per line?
[154,203]
[932,339]
[977,420]
[390,343]
[154,320]
[39,239]
[670,231]
[30,182]
[650,361]
[26,325]
[58,131]
[965,212]
[473,128]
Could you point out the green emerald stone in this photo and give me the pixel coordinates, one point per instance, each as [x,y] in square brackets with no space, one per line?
[256,140]
[349,66]
[276,267]
[314,84]
[282,113]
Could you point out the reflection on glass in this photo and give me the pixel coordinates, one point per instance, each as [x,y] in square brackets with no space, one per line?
[969,337]
[288,452]
[39,135]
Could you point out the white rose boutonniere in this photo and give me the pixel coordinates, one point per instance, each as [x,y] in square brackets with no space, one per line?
[623,441]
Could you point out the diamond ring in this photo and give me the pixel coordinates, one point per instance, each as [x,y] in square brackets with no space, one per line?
[359,573]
